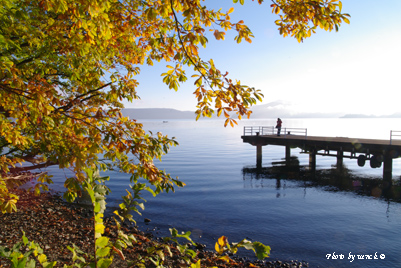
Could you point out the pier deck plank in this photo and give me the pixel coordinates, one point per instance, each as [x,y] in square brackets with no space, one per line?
[339,139]
[346,144]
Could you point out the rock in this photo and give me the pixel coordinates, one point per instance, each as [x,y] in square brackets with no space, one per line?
[201,255]
[147,220]
[200,246]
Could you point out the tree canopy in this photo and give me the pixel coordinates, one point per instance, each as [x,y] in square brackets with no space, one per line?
[66,66]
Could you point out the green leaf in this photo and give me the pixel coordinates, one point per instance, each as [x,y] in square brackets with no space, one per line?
[104,263]
[96,208]
[150,190]
[102,242]
[261,250]
[32,264]
[49,264]
[70,196]
[24,238]
[102,252]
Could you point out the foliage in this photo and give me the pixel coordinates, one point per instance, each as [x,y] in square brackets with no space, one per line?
[23,260]
[187,254]
[222,246]
[66,67]
[301,18]
[131,202]
[7,200]
[104,249]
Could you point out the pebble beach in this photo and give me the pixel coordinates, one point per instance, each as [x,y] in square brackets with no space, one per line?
[55,224]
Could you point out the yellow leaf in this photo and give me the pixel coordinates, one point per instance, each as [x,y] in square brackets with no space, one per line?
[42,258]
[196,265]
[99,228]
[216,247]
[225,258]
[222,241]
[231,10]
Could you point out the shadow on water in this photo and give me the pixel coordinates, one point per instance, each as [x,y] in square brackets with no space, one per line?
[334,179]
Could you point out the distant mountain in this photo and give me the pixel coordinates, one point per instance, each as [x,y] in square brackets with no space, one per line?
[358,116]
[396,115]
[269,110]
[285,110]
[157,113]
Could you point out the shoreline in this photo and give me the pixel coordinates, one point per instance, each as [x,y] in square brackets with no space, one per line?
[55,224]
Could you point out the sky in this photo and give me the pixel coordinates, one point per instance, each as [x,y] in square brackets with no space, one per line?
[354,70]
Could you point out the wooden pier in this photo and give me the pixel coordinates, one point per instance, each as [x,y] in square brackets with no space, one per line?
[378,152]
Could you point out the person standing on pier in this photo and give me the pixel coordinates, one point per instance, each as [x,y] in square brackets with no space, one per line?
[278,126]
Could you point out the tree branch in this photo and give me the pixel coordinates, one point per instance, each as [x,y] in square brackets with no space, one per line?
[15,91]
[23,169]
[11,51]
[70,104]
[177,26]
[197,67]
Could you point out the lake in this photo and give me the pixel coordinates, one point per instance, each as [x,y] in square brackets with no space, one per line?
[300,218]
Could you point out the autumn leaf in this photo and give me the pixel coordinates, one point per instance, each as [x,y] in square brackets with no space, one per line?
[58,108]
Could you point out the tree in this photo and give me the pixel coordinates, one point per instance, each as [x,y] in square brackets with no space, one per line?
[66,66]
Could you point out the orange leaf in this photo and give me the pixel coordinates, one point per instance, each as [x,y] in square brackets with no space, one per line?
[119,252]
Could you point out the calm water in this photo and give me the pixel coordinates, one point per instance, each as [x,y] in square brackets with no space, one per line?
[297,218]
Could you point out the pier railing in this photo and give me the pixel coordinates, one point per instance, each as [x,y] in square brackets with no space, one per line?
[394,135]
[271,130]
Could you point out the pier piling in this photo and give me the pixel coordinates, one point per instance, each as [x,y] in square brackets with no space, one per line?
[312,160]
[258,156]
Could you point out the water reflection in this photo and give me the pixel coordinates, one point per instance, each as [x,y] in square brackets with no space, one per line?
[337,178]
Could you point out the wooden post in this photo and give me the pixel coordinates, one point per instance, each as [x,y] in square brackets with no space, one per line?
[287,155]
[387,171]
[258,156]
[340,155]
[312,160]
